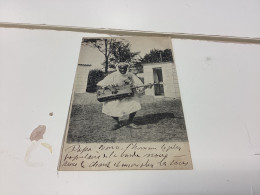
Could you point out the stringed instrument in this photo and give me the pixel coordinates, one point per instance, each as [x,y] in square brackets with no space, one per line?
[118,92]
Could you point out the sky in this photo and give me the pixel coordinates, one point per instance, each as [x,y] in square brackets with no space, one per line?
[89,55]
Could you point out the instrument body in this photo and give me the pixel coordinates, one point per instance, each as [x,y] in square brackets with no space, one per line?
[110,93]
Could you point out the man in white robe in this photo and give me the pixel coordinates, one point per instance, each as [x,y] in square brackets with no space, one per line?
[126,106]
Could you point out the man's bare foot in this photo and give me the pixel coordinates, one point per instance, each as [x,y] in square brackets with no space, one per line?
[133,126]
[117,126]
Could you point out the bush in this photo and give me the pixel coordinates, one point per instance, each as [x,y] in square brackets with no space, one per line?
[94,76]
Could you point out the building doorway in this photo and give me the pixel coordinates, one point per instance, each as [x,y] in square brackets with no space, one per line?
[158,78]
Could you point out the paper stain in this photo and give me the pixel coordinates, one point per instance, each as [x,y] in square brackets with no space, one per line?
[48,146]
[35,154]
[208,59]
[37,133]
[28,156]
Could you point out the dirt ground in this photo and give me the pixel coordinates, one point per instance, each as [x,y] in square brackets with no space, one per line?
[159,120]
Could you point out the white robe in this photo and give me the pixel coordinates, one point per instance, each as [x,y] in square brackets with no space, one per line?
[125,106]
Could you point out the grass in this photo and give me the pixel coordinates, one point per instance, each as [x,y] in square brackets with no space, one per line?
[159,121]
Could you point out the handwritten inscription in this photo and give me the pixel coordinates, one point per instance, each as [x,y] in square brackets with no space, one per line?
[125,156]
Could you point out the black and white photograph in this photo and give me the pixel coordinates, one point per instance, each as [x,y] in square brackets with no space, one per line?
[126,91]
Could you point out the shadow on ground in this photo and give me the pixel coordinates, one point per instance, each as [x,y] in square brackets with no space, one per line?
[152,118]
[158,121]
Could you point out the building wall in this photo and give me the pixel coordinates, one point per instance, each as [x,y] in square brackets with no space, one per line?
[81,79]
[171,86]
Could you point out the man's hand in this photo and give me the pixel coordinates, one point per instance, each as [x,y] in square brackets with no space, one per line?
[140,89]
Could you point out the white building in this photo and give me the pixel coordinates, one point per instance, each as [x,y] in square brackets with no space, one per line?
[81,78]
[165,75]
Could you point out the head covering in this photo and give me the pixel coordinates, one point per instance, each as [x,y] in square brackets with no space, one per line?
[122,64]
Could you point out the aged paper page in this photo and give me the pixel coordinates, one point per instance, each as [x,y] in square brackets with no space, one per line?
[126,110]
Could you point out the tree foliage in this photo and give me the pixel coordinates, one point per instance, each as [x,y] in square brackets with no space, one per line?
[121,53]
[103,45]
[155,56]
[94,76]
[114,51]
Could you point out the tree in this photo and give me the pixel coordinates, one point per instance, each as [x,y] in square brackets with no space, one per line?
[155,56]
[103,45]
[94,76]
[121,53]
[114,51]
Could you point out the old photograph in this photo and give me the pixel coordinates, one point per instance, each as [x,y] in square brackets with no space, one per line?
[126,93]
